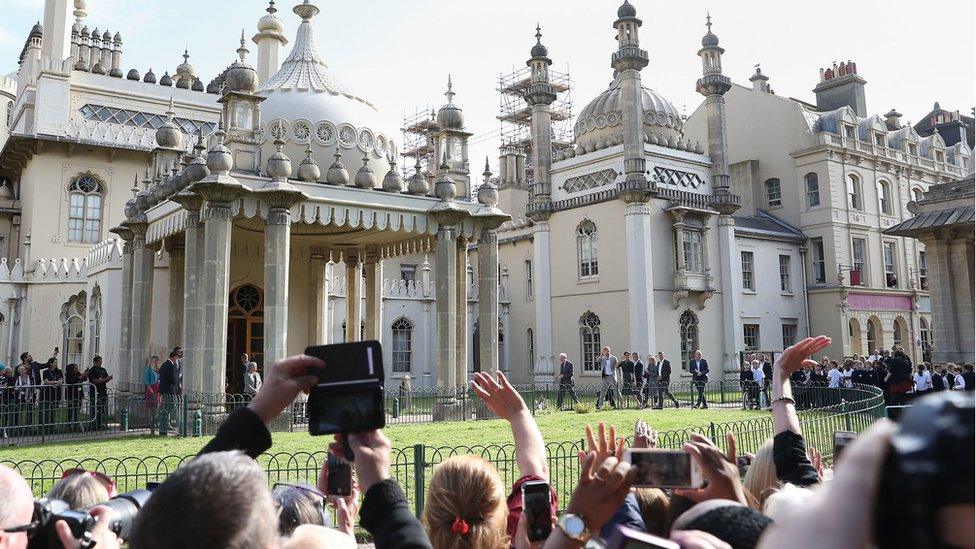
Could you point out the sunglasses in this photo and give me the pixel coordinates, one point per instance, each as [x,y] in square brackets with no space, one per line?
[320,502]
[101,477]
[304,488]
[28,529]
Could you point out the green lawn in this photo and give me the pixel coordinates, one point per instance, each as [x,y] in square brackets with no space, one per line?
[556,427]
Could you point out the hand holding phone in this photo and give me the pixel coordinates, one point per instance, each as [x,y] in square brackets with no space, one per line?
[660,468]
[841,440]
[537,506]
[340,476]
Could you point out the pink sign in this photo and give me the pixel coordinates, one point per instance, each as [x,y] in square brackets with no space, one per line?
[880,302]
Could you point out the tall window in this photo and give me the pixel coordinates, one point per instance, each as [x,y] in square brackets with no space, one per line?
[586,248]
[923,333]
[884,197]
[899,332]
[819,260]
[750,335]
[813,189]
[785,274]
[912,149]
[85,210]
[890,269]
[854,330]
[857,259]
[95,320]
[789,334]
[872,336]
[530,348]
[774,193]
[528,279]
[916,194]
[408,273]
[402,345]
[73,329]
[589,327]
[854,192]
[688,330]
[923,273]
[748,272]
[691,246]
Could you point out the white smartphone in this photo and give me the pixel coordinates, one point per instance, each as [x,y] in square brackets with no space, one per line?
[660,468]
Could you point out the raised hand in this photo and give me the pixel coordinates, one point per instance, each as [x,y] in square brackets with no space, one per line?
[372,452]
[601,491]
[498,394]
[795,357]
[644,435]
[283,381]
[722,474]
[604,447]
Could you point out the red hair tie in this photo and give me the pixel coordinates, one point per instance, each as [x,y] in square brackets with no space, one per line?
[460,526]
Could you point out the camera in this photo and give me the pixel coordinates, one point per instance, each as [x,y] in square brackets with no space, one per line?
[47,512]
[661,468]
[348,397]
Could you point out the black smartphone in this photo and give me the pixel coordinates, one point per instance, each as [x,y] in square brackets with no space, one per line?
[841,440]
[348,397]
[340,476]
[743,463]
[536,503]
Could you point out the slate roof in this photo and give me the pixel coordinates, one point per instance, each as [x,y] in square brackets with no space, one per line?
[766,225]
[947,217]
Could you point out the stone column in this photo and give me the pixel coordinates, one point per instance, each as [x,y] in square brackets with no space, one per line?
[143,258]
[445,291]
[213,294]
[193,310]
[461,291]
[640,283]
[730,266]
[943,312]
[125,335]
[319,321]
[373,272]
[961,264]
[277,244]
[354,300]
[543,307]
[176,293]
[488,301]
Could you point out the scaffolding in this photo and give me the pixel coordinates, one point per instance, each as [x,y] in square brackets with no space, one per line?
[417,141]
[515,114]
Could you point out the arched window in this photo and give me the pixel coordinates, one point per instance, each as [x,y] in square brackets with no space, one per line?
[813,189]
[586,249]
[688,330]
[854,197]
[898,336]
[73,329]
[924,334]
[402,346]
[884,196]
[916,194]
[530,348]
[774,193]
[589,327]
[95,320]
[85,209]
[873,331]
[362,330]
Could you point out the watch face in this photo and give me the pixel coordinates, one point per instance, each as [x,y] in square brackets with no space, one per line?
[574,525]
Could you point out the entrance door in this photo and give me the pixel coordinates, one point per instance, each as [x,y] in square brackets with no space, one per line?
[245,332]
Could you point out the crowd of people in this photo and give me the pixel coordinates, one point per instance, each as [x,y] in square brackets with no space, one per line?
[222,499]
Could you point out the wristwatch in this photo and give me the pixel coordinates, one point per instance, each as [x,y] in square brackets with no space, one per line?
[574,527]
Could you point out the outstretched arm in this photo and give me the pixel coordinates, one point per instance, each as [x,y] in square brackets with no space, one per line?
[792,359]
[504,401]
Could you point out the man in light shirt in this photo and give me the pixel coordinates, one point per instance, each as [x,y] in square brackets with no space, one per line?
[608,372]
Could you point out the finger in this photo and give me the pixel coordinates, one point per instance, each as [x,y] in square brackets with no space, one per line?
[617,475]
[64,534]
[619,454]
[521,532]
[627,484]
[298,365]
[612,442]
[606,468]
[323,483]
[479,390]
[702,439]
[696,456]
[590,440]
[603,438]
[503,381]
[586,467]
[731,444]
[694,494]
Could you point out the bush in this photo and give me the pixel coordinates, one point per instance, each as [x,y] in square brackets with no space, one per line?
[583,407]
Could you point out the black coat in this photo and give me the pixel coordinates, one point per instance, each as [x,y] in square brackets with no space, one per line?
[170,382]
[900,368]
[702,374]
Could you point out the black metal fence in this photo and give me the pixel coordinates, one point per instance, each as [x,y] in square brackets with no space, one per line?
[855,409]
[37,414]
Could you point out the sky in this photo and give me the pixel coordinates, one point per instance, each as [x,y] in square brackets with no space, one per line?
[398,53]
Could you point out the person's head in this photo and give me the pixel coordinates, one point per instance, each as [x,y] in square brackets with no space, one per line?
[785,499]
[833,364]
[299,504]
[7,372]
[72,368]
[626,355]
[939,368]
[660,356]
[466,488]
[96,360]
[562,357]
[154,361]
[745,366]
[178,351]
[23,370]
[245,358]
[219,499]
[824,359]
[729,521]
[921,368]
[848,364]
[760,480]
[967,367]
[606,351]
[26,358]
[174,355]
[654,507]
[756,365]
[750,357]
[651,360]
[635,356]
[956,369]
[698,355]
[53,364]
[17,508]
[81,489]
[252,367]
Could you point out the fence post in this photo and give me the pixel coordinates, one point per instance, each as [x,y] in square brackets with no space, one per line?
[186,416]
[721,387]
[847,415]
[418,479]
[711,430]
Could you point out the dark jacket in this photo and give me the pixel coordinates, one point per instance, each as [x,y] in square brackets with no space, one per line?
[702,374]
[767,372]
[169,379]
[665,377]
[384,512]
[865,377]
[900,368]
[638,372]
[938,382]
[628,515]
[969,378]
[566,372]
[791,460]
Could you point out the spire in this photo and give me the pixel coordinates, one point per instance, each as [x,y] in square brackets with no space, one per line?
[708,20]
[709,40]
[306,10]
[135,185]
[170,113]
[243,51]
[186,53]
[539,50]
[487,172]
[271,9]
[449,94]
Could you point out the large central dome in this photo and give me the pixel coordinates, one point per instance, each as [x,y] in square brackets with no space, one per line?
[600,123]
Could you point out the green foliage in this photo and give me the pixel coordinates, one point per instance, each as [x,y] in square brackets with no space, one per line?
[583,407]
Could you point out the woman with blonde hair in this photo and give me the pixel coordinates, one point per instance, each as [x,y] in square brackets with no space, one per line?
[760,480]
[83,489]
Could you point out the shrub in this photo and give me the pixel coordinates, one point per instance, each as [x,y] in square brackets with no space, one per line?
[583,407]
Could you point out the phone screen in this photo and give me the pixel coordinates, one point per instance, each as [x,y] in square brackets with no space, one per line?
[841,440]
[340,477]
[662,468]
[348,397]
[538,510]
[352,412]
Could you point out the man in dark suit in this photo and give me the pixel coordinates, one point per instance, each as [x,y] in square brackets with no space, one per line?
[565,381]
[638,380]
[663,381]
[698,367]
[241,372]
[171,384]
[767,368]
[969,378]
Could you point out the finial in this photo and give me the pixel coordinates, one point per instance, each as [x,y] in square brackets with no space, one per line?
[449,93]
[271,8]
[708,21]
[135,185]
[242,51]
[279,143]
[186,53]
[170,113]
[199,147]
[445,164]
[306,10]
[487,172]
[538,33]
[337,155]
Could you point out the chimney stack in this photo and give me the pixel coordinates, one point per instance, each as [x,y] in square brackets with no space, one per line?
[893,119]
[840,85]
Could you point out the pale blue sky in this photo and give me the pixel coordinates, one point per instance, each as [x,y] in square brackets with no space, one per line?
[397,53]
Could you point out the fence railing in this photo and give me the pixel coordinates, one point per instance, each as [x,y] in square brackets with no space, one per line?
[40,414]
[849,409]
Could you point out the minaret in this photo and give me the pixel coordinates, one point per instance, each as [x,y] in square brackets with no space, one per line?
[713,85]
[270,38]
[760,82]
[539,96]
[55,43]
[241,113]
[628,61]
[451,140]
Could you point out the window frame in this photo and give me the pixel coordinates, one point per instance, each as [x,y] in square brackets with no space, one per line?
[774,192]
[692,250]
[813,196]
[408,269]
[587,256]
[855,194]
[529,282]
[923,275]
[789,329]
[890,267]
[403,328]
[885,202]
[786,278]
[751,331]
[86,209]
[748,261]
[859,264]
[530,348]
[688,336]
[590,341]
[817,248]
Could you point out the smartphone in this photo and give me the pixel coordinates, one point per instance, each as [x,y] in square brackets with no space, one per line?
[348,397]
[660,468]
[743,463]
[537,506]
[841,440]
[629,538]
[340,476]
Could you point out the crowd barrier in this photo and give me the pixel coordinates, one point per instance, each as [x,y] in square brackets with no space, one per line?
[848,409]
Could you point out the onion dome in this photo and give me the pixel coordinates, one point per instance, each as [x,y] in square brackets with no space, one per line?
[538,50]
[117,39]
[337,173]
[184,72]
[150,77]
[450,116]
[219,159]
[600,123]
[418,181]
[197,168]
[169,135]
[213,86]
[166,80]
[240,76]
[444,187]
[309,169]
[710,40]
[197,85]
[131,208]
[133,75]
[392,182]
[279,165]
[107,37]
[270,22]
[365,178]
[487,192]
[98,68]
[626,10]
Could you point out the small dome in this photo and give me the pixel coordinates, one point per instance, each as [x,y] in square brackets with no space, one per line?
[418,182]
[166,80]
[213,86]
[600,123]
[270,22]
[279,165]
[133,74]
[710,40]
[241,76]
[150,77]
[392,181]
[219,159]
[107,37]
[365,178]
[450,115]
[626,10]
[185,68]
[117,38]
[309,169]
[169,135]
[197,85]
[337,173]
[538,50]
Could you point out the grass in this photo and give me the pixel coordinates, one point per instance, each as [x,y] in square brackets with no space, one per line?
[555,426]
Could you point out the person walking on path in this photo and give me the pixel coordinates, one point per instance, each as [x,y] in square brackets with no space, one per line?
[699,376]
[565,381]
[609,370]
